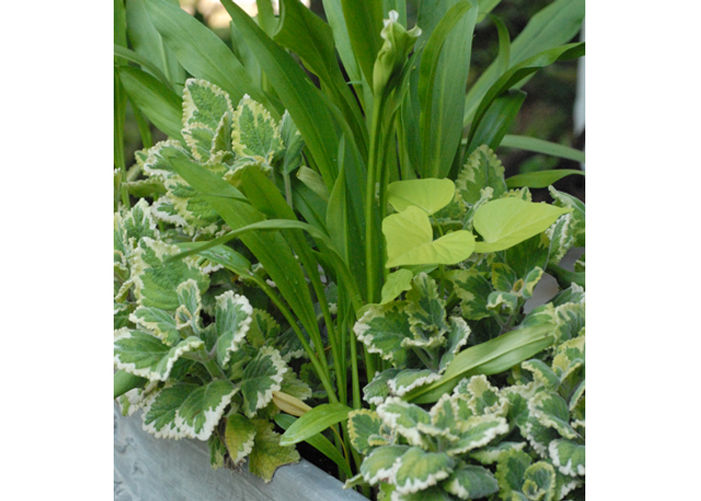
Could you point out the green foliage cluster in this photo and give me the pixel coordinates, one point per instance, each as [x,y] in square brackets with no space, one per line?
[353,243]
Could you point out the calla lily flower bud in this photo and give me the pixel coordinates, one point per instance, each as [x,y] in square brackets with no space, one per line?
[398,43]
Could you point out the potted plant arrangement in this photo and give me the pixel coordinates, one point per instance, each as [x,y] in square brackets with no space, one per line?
[325,251]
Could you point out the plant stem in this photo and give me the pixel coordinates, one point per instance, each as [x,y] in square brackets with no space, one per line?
[371,246]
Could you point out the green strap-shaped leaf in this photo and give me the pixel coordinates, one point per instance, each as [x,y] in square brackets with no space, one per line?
[429,194]
[315,421]
[159,103]
[471,482]
[144,355]
[410,241]
[505,222]
[540,179]
[239,435]
[268,454]
[419,469]
[261,377]
[303,101]
[233,319]
[203,408]
[568,457]
[199,50]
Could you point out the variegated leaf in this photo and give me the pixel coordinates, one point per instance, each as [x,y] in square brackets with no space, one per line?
[144,355]
[483,397]
[425,307]
[263,328]
[133,224]
[551,410]
[444,413]
[577,230]
[539,481]
[404,417]
[491,454]
[375,392]
[482,169]
[159,413]
[254,132]
[292,385]
[503,277]
[153,161]
[572,294]
[267,453]
[239,436]
[382,463]
[159,322]
[203,408]
[568,457]
[471,482]
[477,431]
[204,103]
[233,319]
[473,288]
[382,329]
[364,429]
[419,469]
[511,468]
[458,332]
[156,278]
[187,313]
[502,302]
[260,378]
[408,379]
[542,374]
[217,451]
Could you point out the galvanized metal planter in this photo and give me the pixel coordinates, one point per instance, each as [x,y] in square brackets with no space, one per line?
[151,469]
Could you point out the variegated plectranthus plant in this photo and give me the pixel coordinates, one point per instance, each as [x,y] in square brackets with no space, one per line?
[211,361]
[350,241]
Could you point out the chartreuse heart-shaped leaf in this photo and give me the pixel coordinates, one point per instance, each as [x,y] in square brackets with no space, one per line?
[233,319]
[255,134]
[396,283]
[508,221]
[471,482]
[144,355]
[203,408]
[239,436]
[261,377]
[267,453]
[410,241]
[419,469]
[429,194]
